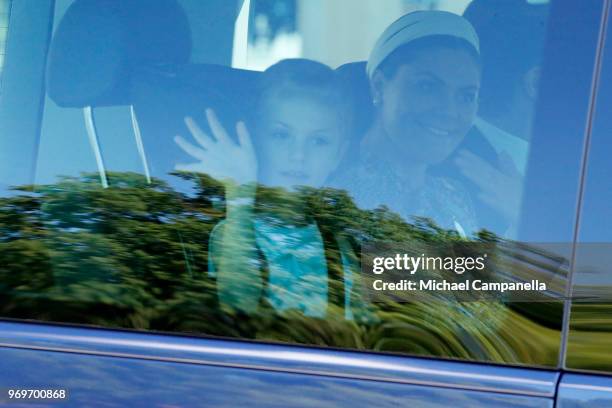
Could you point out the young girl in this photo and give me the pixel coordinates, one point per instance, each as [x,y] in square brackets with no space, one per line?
[270,249]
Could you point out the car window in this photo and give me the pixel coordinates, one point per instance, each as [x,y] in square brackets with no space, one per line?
[273,171]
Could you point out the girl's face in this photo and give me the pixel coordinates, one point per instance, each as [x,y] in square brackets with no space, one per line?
[300,141]
[430,103]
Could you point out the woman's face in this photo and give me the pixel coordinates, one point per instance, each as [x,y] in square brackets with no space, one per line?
[429,105]
[300,141]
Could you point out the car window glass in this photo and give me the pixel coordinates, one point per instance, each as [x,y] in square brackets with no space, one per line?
[272,170]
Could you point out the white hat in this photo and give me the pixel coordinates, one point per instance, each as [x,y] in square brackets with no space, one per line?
[416,25]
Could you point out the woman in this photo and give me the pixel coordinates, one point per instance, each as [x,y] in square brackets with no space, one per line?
[424,75]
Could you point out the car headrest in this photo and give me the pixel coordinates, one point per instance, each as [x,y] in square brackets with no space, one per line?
[357,88]
[161,101]
[98,44]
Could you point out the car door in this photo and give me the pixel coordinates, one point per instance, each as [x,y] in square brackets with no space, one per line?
[106,296]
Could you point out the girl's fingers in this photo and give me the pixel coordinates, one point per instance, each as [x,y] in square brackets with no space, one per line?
[202,138]
[243,136]
[190,149]
[216,127]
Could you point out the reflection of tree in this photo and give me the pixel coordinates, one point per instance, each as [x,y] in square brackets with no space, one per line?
[135,255]
[120,250]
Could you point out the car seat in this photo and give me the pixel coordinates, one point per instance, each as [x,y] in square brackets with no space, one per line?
[137,53]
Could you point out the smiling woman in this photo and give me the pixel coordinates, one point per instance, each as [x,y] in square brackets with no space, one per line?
[424,74]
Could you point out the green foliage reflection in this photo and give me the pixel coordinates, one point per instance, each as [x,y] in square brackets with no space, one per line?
[135,255]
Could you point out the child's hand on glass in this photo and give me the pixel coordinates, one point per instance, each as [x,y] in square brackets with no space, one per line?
[219,156]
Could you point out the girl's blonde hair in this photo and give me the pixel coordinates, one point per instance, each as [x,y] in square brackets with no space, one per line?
[301,76]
